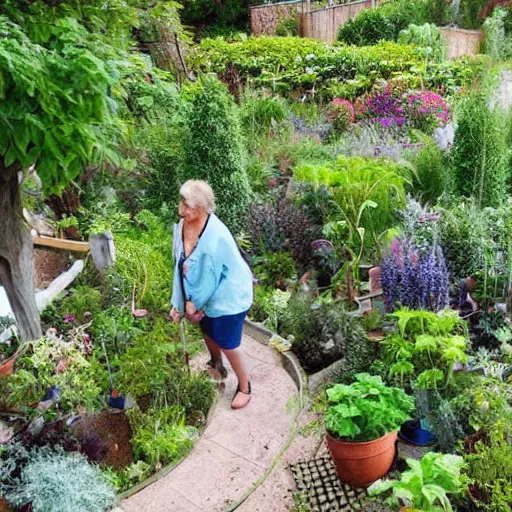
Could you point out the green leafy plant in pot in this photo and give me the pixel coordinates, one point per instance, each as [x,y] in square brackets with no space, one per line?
[361,422]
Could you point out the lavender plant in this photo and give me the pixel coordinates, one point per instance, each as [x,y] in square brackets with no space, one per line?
[413,278]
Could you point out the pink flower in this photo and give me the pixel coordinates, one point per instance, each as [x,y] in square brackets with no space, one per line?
[69,319]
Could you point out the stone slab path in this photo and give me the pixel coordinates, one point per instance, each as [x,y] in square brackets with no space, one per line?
[236,449]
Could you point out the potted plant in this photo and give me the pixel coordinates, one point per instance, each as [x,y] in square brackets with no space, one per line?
[361,422]
[426,485]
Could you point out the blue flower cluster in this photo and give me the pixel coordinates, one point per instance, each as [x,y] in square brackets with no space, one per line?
[418,280]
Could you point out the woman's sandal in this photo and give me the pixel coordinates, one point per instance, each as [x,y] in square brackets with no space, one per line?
[217,366]
[241,398]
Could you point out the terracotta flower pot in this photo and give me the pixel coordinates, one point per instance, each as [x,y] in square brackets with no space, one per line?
[360,464]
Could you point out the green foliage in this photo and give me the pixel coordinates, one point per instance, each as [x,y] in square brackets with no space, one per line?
[213,149]
[365,194]
[60,130]
[425,348]
[321,331]
[259,114]
[60,482]
[366,409]
[383,23]
[82,381]
[482,403]
[496,44]
[273,269]
[270,306]
[480,154]
[431,178]
[152,368]
[490,469]
[468,15]
[427,37]
[287,64]
[426,485]
[438,12]
[83,299]
[161,436]
[287,27]
[143,260]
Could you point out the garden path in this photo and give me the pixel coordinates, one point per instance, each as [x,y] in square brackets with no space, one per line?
[236,450]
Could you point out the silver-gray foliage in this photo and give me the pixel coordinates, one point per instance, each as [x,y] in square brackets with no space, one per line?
[54,481]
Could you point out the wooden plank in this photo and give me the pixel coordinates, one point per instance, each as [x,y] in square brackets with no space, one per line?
[58,243]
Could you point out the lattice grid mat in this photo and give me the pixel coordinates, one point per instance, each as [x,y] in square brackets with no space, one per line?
[318,482]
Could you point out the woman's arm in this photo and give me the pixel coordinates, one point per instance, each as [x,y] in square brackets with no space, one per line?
[201,280]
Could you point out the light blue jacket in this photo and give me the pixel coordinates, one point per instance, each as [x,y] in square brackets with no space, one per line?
[217,279]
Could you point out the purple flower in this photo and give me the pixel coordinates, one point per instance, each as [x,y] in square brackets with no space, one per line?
[69,319]
[413,279]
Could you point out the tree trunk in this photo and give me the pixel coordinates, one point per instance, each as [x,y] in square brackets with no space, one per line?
[16,256]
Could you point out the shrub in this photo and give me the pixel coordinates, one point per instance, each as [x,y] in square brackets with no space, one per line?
[261,113]
[279,225]
[490,469]
[383,23]
[83,299]
[160,436]
[480,153]
[274,269]
[431,178]
[287,64]
[321,332]
[60,482]
[288,27]
[365,410]
[213,149]
[427,37]
[342,114]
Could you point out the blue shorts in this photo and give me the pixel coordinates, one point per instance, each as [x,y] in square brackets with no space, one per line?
[225,330]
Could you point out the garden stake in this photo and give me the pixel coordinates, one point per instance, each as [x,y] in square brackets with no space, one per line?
[115,401]
[183,336]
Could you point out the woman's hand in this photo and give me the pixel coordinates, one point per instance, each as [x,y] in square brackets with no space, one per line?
[196,317]
[190,308]
[174,315]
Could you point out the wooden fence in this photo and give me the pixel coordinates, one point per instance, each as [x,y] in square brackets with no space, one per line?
[324,24]
[461,42]
[266,18]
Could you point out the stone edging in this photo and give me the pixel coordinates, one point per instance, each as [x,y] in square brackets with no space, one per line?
[167,469]
[288,359]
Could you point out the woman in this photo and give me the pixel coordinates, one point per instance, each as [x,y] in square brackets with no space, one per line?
[212,282]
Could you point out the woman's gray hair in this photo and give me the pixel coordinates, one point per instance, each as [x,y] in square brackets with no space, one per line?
[198,194]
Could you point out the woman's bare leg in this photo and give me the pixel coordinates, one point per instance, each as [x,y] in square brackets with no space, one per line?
[213,348]
[236,360]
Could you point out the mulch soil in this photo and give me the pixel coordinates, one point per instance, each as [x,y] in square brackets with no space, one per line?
[49,264]
[114,433]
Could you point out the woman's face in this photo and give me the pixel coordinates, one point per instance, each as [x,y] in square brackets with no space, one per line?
[187,213]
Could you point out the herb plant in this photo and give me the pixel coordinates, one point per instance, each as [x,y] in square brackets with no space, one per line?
[425,348]
[427,485]
[366,409]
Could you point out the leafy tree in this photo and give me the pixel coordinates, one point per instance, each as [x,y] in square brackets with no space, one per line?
[57,114]
[214,151]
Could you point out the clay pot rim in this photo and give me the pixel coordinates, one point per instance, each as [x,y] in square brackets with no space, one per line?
[373,441]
